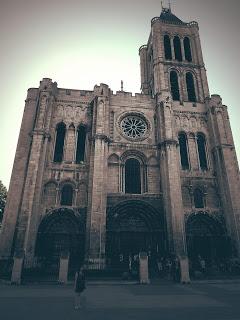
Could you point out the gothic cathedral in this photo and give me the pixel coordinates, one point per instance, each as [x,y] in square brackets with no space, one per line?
[100,176]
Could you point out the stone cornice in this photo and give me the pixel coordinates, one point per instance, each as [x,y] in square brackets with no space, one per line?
[190,112]
[102,137]
[72,101]
[167,142]
[133,145]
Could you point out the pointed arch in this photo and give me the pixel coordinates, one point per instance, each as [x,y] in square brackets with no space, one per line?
[187,49]
[81,141]
[59,142]
[177,48]
[167,47]
[174,85]
[191,92]
[183,148]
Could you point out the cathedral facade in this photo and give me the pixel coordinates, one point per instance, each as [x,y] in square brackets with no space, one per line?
[100,176]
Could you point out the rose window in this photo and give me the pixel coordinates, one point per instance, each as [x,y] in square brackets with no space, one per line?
[134,127]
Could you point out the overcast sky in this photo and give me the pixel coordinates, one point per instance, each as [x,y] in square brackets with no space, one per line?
[80,43]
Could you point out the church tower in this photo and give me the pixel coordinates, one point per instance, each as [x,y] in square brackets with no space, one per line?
[194,126]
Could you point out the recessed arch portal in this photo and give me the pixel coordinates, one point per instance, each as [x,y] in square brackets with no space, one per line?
[206,238]
[133,226]
[61,232]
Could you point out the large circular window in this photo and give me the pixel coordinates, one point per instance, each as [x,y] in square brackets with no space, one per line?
[134,126]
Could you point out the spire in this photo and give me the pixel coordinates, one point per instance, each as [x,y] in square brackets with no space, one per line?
[167,15]
[165,9]
[169,5]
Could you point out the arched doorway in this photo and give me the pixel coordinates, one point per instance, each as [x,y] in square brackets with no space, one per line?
[206,239]
[61,233]
[134,226]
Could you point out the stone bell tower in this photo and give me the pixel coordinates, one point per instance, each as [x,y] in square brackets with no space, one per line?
[173,72]
[172,45]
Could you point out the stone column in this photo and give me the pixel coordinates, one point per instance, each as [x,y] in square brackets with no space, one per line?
[17,269]
[18,175]
[29,213]
[160,81]
[70,151]
[172,48]
[39,157]
[98,207]
[193,153]
[226,166]
[144,69]
[96,217]
[170,175]
[143,268]
[182,49]
[63,268]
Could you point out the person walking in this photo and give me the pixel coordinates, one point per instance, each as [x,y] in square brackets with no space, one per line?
[79,287]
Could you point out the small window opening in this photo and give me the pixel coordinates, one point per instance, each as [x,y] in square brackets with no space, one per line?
[198,198]
[177,48]
[167,48]
[183,151]
[190,87]
[201,144]
[174,86]
[67,195]
[81,138]
[59,144]
[187,49]
[132,176]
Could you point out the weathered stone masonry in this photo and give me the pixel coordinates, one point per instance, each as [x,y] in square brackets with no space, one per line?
[100,176]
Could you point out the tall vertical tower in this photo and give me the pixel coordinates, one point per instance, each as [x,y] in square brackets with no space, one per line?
[198,165]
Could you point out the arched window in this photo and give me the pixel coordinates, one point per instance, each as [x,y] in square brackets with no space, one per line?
[198,198]
[67,195]
[167,48]
[132,176]
[190,87]
[174,85]
[59,144]
[183,151]
[81,137]
[177,48]
[187,49]
[201,145]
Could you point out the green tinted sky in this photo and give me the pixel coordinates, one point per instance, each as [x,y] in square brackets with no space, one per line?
[81,43]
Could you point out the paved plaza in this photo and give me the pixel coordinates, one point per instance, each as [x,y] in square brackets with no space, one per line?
[220,301]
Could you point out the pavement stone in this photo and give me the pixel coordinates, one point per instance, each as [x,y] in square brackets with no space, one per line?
[204,301]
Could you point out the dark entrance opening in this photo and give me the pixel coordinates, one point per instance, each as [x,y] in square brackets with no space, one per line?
[132,227]
[206,240]
[60,234]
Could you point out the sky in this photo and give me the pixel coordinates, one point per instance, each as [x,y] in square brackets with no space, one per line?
[80,43]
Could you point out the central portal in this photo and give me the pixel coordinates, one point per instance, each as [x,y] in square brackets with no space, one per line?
[133,227]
